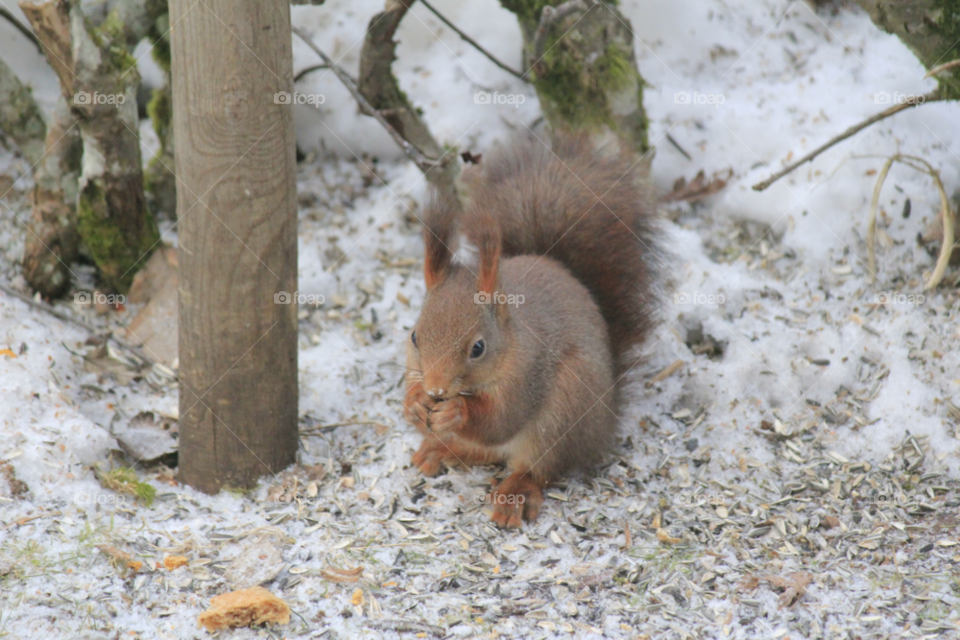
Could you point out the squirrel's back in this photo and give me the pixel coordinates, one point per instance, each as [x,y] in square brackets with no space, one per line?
[583,208]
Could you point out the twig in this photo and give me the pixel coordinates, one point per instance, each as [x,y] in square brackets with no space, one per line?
[407,626]
[303,72]
[943,67]
[946,249]
[933,96]
[678,147]
[22,28]
[414,154]
[317,430]
[66,317]
[872,219]
[473,42]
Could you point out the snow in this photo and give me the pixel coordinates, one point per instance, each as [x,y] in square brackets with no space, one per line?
[773,81]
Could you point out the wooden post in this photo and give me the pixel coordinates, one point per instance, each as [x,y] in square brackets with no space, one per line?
[237,211]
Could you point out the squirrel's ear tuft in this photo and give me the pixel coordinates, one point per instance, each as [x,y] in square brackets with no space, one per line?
[439,220]
[485,234]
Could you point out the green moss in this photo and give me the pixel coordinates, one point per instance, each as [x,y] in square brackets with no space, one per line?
[614,68]
[160,111]
[159,33]
[115,255]
[528,11]
[125,480]
[948,25]
[579,92]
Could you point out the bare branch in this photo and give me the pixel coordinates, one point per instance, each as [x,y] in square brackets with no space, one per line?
[942,67]
[916,100]
[310,69]
[473,42]
[414,154]
[22,28]
[67,317]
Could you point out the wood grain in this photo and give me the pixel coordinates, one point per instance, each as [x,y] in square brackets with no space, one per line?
[236,204]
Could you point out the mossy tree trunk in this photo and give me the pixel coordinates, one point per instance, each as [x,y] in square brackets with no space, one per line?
[99,79]
[53,152]
[581,58]
[20,117]
[929,28]
[52,238]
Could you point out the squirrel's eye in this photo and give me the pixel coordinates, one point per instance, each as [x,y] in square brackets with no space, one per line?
[478,348]
[413,338]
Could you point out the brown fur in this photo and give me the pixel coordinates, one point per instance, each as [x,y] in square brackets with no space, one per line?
[570,235]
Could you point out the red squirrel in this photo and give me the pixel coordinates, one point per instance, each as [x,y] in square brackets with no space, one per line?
[516,359]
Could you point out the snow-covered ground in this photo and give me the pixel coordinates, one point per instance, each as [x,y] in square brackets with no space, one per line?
[811,426]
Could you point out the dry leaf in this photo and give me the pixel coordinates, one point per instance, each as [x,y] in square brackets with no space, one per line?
[698,188]
[794,586]
[664,536]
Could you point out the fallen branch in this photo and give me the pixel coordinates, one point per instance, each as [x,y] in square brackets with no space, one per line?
[474,43]
[933,96]
[321,428]
[66,317]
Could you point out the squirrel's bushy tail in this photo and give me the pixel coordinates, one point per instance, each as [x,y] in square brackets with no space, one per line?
[586,210]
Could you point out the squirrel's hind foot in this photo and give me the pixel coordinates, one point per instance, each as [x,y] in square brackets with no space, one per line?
[519,497]
[432,455]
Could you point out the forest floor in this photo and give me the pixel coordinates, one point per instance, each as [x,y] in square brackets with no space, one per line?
[788,465]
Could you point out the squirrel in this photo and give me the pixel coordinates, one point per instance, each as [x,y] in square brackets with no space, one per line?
[516,360]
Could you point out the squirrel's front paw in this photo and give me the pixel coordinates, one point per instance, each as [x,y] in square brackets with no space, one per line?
[416,407]
[448,415]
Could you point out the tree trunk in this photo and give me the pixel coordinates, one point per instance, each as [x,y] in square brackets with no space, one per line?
[929,28]
[20,117]
[54,156]
[52,237]
[581,57]
[98,78]
[237,210]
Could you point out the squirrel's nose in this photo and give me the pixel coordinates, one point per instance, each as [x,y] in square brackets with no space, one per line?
[435,393]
